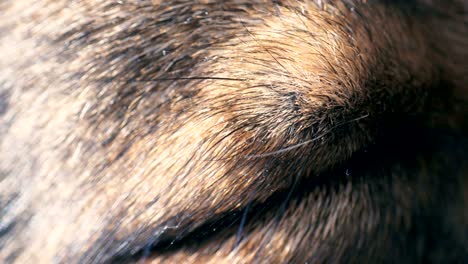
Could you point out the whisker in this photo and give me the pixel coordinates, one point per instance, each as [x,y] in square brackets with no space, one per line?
[241,226]
[286,149]
[187,78]
[263,47]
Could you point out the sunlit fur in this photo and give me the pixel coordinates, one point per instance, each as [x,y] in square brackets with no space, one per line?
[233,131]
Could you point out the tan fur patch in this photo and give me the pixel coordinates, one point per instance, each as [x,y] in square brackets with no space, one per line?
[138,124]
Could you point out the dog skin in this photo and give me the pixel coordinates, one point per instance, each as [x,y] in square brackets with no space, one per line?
[233,131]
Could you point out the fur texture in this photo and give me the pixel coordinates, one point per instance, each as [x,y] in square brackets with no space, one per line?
[233,131]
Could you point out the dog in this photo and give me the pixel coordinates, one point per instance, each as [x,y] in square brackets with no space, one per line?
[209,131]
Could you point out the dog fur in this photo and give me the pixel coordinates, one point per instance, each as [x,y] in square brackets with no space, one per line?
[233,131]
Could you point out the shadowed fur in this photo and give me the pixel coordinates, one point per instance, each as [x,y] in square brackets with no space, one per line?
[233,131]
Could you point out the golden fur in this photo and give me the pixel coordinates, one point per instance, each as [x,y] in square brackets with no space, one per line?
[233,131]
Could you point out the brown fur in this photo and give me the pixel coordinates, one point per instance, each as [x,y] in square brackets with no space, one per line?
[233,131]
